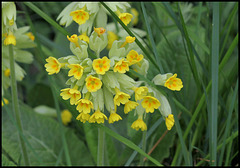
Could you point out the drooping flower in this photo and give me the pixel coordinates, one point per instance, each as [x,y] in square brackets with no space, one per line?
[98,117]
[99,31]
[133,57]
[71,93]
[53,65]
[7,72]
[73,39]
[66,116]
[101,65]
[120,97]
[150,103]
[174,83]
[121,66]
[140,92]
[10,39]
[139,124]
[114,117]
[129,39]
[84,37]
[76,70]
[125,18]
[93,83]
[84,105]
[129,106]
[79,16]
[169,121]
[83,117]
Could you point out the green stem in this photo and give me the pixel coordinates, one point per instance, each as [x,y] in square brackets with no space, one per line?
[101,140]
[16,105]
[144,140]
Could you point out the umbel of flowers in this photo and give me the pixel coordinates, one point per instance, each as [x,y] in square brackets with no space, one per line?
[20,38]
[103,82]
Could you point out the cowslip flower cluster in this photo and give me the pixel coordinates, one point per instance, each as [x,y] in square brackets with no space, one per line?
[96,84]
[20,38]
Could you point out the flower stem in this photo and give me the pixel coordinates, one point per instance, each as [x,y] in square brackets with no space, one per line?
[101,141]
[15,104]
[144,134]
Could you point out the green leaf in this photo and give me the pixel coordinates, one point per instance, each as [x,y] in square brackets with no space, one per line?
[6,161]
[44,137]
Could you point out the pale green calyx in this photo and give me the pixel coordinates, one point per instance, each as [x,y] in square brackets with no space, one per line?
[160,79]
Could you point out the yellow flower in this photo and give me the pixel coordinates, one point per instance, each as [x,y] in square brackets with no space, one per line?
[83,117]
[7,72]
[133,57]
[140,92]
[125,18]
[114,117]
[53,66]
[174,83]
[84,105]
[101,65]
[98,117]
[139,124]
[84,37]
[80,16]
[76,70]
[99,31]
[30,35]
[111,38]
[135,16]
[5,101]
[73,39]
[93,83]
[129,106]
[73,94]
[120,97]
[66,116]
[10,39]
[121,66]
[129,39]
[169,121]
[150,103]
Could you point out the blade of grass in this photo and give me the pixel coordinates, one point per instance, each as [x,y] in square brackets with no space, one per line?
[227,128]
[51,80]
[200,104]
[151,38]
[214,90]
[128,143]
[131,34]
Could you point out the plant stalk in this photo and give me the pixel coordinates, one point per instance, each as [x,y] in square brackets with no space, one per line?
[16,105]
[101,141]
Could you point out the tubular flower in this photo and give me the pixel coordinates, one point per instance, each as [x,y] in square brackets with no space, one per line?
[73,94]
[140,92]
[111,38]
[125,18]
[114,117]
[99,31]
[169,121]
[76,70]
[10,39]
[174,83]
[133,57]
[84,37]
[129,106]
[79,16]
[7,72]
[139,124]
[93,83]
[150,103]
[30,35]
[83,117]
[66,116]
[53,66]
[98,117]
[120,97]
[129,39]
[121,66]
[84,105]
[73,39]
[101,65]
